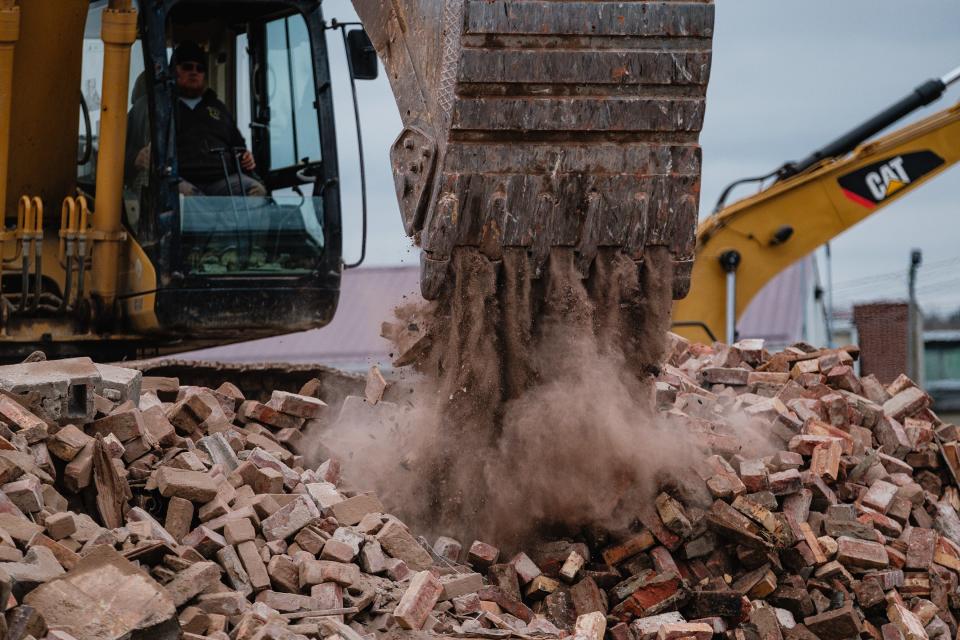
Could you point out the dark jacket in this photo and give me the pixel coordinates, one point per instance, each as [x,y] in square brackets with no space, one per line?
[200,130]
[138,136]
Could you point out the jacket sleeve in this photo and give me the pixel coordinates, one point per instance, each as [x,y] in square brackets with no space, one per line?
[138,135]
[237,139]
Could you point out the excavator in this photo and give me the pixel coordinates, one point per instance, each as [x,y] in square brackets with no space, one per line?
[532,128]
[741,247]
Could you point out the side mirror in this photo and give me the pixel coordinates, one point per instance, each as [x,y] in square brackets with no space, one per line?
[363,57]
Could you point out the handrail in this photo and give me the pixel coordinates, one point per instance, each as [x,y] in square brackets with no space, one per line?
[37,241]
[24,224]
[68,240]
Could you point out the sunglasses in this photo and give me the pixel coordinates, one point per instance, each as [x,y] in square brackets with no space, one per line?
[199,67]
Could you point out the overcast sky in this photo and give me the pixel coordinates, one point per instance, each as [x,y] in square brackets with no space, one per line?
[787,77]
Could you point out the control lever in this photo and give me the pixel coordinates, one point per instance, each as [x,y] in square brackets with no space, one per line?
[309,173]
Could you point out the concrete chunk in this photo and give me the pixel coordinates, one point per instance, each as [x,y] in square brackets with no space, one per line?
[125,382]
[39,565]
[647,627]
[67,386]
[137,605]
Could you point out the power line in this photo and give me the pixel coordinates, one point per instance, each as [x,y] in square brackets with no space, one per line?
[895,284]
[935,266]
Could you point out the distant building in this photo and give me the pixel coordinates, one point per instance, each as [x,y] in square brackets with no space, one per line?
[942,370]
[882,337]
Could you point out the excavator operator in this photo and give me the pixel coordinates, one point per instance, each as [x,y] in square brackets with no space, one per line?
[211,151]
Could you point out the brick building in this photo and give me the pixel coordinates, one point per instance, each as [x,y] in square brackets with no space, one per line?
[883,336]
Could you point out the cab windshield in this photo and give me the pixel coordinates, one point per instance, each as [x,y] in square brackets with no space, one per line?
[239,117]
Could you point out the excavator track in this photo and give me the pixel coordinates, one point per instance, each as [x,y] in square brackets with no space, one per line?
[544,124]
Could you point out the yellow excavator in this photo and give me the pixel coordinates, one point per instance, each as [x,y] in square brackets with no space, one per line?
[743,246]
[529,126]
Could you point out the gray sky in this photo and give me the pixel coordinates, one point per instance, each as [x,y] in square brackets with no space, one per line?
[787,78]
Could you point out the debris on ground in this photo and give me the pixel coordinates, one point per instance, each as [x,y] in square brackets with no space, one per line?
[824,505]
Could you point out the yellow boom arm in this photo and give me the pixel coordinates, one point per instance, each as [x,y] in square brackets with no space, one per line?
[768,232]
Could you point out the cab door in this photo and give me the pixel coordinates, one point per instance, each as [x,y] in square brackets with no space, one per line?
[283,118]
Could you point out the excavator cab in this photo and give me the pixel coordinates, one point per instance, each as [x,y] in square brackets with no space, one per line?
[544,137]
[228,264]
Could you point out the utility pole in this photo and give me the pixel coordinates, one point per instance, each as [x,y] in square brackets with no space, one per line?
[828,312]
[729,261]
[914,343]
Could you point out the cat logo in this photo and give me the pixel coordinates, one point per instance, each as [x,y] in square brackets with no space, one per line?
[888,179]
[214,112]
[874,183]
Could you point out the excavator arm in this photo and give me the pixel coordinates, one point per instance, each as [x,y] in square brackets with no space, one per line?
[744,246]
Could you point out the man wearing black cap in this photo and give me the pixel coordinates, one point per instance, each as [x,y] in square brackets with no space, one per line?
[207,135]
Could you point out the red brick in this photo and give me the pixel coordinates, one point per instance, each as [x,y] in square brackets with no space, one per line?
[629,548]
[880,495]
[726,375]
[526,568]
[297,405]
[906,403]
[837,624]
[921,546]
[861,554]
[650,593]
[482,555]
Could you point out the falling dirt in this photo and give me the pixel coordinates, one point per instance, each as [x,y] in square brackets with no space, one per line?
[533,408]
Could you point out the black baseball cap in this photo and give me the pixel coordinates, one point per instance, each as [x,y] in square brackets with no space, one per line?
[188,51]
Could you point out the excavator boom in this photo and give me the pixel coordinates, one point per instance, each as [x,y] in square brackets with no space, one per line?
[745,245]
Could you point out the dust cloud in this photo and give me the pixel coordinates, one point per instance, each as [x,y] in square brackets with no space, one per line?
[532,412]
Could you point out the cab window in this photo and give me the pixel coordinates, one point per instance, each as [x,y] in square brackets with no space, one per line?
[260,69]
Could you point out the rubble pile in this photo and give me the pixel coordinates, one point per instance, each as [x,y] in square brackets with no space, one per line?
[822,505]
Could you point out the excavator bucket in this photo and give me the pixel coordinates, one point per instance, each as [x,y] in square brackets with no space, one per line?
[533,125]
